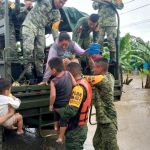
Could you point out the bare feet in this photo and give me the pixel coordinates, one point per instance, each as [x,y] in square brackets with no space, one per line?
[59,141]
[19,132]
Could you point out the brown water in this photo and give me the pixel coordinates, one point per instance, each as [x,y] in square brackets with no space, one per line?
[133,123]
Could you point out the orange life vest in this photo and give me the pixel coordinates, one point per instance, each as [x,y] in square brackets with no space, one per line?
[85,106]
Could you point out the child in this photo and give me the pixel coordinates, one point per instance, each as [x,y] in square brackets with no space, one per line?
[61,88]
[7,100]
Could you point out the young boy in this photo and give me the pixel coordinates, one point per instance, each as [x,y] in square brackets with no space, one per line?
[7,100]
[61,88]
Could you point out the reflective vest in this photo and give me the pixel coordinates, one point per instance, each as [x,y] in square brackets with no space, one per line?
[81,117]
[85,106]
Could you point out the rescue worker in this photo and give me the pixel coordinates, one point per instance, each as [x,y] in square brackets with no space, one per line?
[82,35]
[105,137]
[77,110]
[19,17]
[43,13]
[84,27]
[107,22]
[12,39]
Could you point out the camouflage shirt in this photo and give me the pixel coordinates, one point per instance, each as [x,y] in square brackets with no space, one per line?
[82,30]
[103,100]
[42,14]
[106,12]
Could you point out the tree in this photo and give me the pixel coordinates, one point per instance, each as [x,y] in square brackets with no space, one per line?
[134,52]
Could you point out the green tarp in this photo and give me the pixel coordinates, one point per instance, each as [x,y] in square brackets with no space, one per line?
[69,17]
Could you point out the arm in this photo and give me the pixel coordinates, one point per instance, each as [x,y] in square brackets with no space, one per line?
[7,116]
[74,103]
[55,24]
[93,80]
[52,93]
[96,35]
[77,31]
[78,49]
[101,116]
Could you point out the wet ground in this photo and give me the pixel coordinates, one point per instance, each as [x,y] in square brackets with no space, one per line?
[133,123]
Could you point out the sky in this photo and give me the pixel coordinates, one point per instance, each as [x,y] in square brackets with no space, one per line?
[134,17]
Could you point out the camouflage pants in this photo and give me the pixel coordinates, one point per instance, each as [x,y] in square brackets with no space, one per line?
[105,137]
[33,46]
[84,43]
[111,36]
[76,138]
[12,43]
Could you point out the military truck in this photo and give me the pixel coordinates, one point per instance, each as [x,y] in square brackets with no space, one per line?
[34,98]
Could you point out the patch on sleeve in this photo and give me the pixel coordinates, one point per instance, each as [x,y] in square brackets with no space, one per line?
[94,79]
[76,97]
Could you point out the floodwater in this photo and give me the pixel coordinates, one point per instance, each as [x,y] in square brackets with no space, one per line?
[133,125]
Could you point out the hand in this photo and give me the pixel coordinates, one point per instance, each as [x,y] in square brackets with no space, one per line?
[51,108]
[43,83]
[66,61]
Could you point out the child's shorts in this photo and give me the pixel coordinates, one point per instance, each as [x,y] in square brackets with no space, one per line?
[10,121]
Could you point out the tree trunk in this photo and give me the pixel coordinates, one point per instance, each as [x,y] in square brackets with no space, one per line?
[147,86]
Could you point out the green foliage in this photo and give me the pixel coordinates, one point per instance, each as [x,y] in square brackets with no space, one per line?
[133,52]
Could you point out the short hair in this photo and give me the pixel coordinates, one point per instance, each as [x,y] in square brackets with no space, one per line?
[103,62]
[64,36]
[56,63]
[94,17]
[74,67]
[4,85]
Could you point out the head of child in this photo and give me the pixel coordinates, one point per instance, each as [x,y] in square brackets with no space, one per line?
[5,87]
[56,66]
[75,69]
[101,66]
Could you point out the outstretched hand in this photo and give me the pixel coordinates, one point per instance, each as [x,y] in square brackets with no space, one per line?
[43,83]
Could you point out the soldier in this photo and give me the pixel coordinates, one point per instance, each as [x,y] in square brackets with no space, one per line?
[106,117]
[76,112]
[108,21]
[12,39]
[18,18]
[84,27]
[33,31]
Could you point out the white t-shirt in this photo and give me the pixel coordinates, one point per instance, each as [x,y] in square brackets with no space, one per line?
[5,101]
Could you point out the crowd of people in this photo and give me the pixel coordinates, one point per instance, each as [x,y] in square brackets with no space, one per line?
[71,94]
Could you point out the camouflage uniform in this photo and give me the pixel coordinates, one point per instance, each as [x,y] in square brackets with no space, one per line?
[81,33]
[108,21]
[12,39]
[33,31]
[106,116]
[75,137]
[18,20]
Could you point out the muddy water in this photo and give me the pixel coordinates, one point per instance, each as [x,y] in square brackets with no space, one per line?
[133,123]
